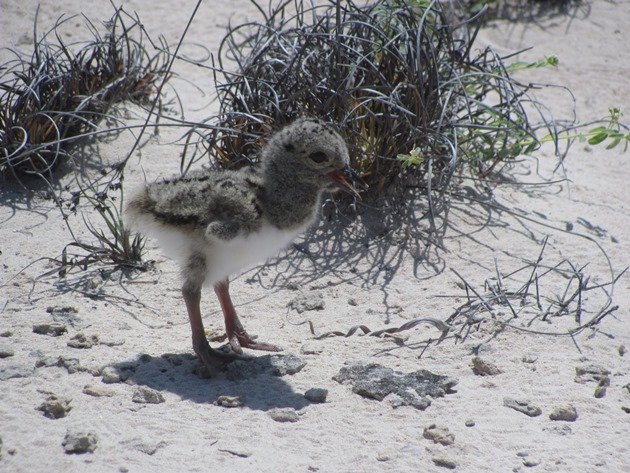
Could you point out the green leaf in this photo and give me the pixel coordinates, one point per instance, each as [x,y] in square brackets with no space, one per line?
[598,138]
[614,142]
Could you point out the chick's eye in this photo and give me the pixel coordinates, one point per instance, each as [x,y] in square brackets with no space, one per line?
[318,157]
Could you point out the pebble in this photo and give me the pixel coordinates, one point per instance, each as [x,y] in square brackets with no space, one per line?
[98,391]
[600,392]
[55,407]
[117,374]
[82,341]
[6,351]
[621,350]
[283,414]
[525,407]
[566,413]
[592,373]
[147,447]
[229,401]
[469,423]
[529,358]
[444,462]
[307,302]
[79,442]
[483,368]
[311,348]
[144,395]
[353,302]
[110,375]
[54,329]
[439,435]
[316,394]
[276,365]
[6,333]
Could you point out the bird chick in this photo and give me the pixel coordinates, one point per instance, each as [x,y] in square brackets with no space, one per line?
[217,223]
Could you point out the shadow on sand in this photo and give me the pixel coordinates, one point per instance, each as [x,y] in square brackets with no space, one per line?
[257,381]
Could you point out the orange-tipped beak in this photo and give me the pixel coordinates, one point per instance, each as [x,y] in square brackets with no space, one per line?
[344,176]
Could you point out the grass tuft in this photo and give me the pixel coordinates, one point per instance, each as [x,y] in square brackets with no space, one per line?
[62,91]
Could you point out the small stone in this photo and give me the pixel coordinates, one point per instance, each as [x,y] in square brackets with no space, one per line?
[147,447]
[98,391]
[353,302]
[311,348]
[469,423]
[82,341]
[6,351]
[286,365]
[531,462]
[625,409]
[444,462]
[144,395]
[79,442]
[229,401]
[600,392]
[439,435]
[54,329]
[6,333]
[383,457]
[110,375]
[316,394]
[525,407]
[55,407]
[276,365]
[529,358]
[592,373]
[283,414]
[622,349]
[484,368]
[566,413]
[307,302]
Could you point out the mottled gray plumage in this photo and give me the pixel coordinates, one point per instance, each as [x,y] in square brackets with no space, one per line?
[218,222]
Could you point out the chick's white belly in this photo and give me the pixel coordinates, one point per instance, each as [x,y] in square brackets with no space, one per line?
[224,258]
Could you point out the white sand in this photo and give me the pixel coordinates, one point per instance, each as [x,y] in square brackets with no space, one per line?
[348,433]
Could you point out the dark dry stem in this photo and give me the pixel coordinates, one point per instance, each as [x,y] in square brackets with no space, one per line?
[483,307]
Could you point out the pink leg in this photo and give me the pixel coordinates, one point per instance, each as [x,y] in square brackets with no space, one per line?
[210,357]
[237,335]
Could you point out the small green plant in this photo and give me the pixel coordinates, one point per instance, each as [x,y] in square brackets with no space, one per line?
[115,244]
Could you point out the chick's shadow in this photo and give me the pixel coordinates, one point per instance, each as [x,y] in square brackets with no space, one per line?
[256,381]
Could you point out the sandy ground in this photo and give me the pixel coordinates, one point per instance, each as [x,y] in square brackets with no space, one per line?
[143,331]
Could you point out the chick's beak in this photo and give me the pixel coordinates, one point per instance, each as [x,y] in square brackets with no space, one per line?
[348,178]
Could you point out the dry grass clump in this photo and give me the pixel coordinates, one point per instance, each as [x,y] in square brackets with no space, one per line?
[399,78]
[62,91]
